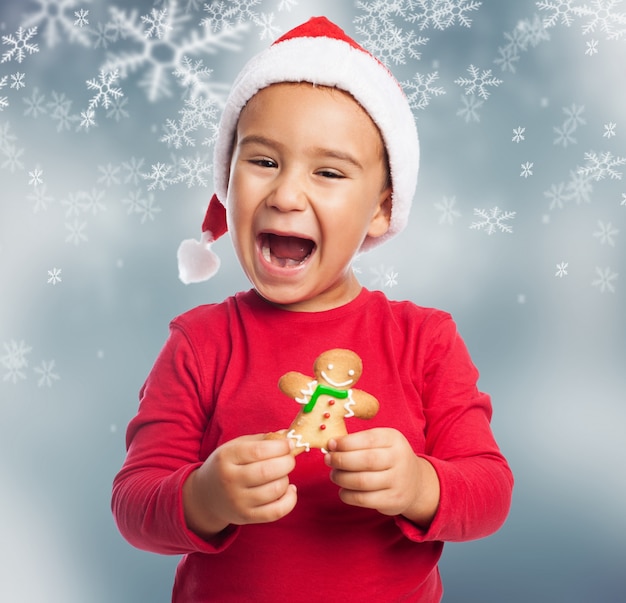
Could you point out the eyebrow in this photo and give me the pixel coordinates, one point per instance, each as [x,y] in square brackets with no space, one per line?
[317,151]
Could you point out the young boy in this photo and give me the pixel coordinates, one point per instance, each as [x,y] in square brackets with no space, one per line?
[316,160]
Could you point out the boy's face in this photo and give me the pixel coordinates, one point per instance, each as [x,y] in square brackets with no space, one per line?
[308,183]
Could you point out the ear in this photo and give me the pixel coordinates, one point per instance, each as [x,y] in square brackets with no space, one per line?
[381,217]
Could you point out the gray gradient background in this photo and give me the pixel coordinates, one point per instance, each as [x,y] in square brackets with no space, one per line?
[551,350]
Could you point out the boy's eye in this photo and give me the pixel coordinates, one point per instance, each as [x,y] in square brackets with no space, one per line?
[330,174]
[266,163]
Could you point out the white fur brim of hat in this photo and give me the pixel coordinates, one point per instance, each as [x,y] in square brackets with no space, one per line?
[332,62]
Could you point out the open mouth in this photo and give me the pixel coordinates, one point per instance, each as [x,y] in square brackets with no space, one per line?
[285,251]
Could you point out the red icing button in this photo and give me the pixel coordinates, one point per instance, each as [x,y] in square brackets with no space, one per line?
[327,415]
[322,426]
[331,402]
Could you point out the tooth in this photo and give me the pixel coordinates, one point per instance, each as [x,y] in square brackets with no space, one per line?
[267,256]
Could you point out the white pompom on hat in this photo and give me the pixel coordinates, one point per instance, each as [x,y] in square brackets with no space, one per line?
[321,53]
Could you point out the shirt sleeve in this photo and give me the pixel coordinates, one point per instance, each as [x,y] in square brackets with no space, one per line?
[163,447]
[475,479]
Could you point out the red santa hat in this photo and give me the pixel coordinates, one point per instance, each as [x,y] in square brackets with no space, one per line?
[321,53]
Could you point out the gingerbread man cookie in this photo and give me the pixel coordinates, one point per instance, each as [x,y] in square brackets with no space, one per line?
[327,400]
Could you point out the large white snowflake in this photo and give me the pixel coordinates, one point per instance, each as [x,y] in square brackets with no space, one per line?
[420,89]
[55,19]
[20,45]
[478,82]
[599,166]
[161,57]
[603,18]
[105,91]
[559,12]
[493,220]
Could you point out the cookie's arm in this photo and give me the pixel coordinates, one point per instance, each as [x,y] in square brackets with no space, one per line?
[365,405]
[296,385]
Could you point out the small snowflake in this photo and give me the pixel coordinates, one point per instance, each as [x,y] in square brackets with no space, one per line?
[469,110]
[561,269]
[46,375]
[592,48]
[518,134]
[605,280]
[35,177]
[87,120]
[109,174]
[384,277]
[35,104]
[21,45]
[18,81]
[194,172]
[105,91]
[606,233]
[623,199]
[40,198]
[478,82]
[600,166]
[147,209]
[609,130]
[493,220]
[269,31]
[76,232]
[159,177]
[448,212]
[54,276]
[81,17]
[527,169]
[156,23]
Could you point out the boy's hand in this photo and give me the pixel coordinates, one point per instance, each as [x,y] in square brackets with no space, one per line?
[378,469]
[243,481]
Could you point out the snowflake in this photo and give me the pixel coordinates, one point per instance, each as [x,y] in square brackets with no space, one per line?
[135,201]
[561,12]
[7,138]
[574,115]
[162,57]
[14,360]
[599,167]
[35,177]
[580,187]
[4,102]
[527,169]
[605,280]
[133,169]
[55,19]
[105,91]
[419,91]
[603,18]
[92,202]
[35,104]
[159,177]
[157,24]
[198,113]
[592,48]
[558,195]
[227,15]
[493,220]
[194,172]
[606,233]
[109,174]
[13,156]
[54,276]
[18,80]
[518,134]
[21,45]
[379,33]
[526,34]
[609,130]
[192,76]
[561,269]
[269,31]
[46,375]
[623,199]
[87,120]
[448,211]
[81,17]
[147,209]
[469,110]
[478,82]
[41,199]
[76,232]
[564,135]
[441,14]
[384,277]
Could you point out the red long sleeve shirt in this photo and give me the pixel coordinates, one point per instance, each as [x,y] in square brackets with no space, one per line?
[216,379]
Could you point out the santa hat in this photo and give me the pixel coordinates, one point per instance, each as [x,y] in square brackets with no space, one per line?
[321,53]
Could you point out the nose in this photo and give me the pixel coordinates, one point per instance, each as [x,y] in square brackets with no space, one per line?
[288,192]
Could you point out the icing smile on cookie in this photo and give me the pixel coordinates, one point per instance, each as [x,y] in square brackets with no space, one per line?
[285,251]
[336,383]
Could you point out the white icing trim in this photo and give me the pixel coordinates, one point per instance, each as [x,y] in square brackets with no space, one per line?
[307,393]
[292,435]
[348,405]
